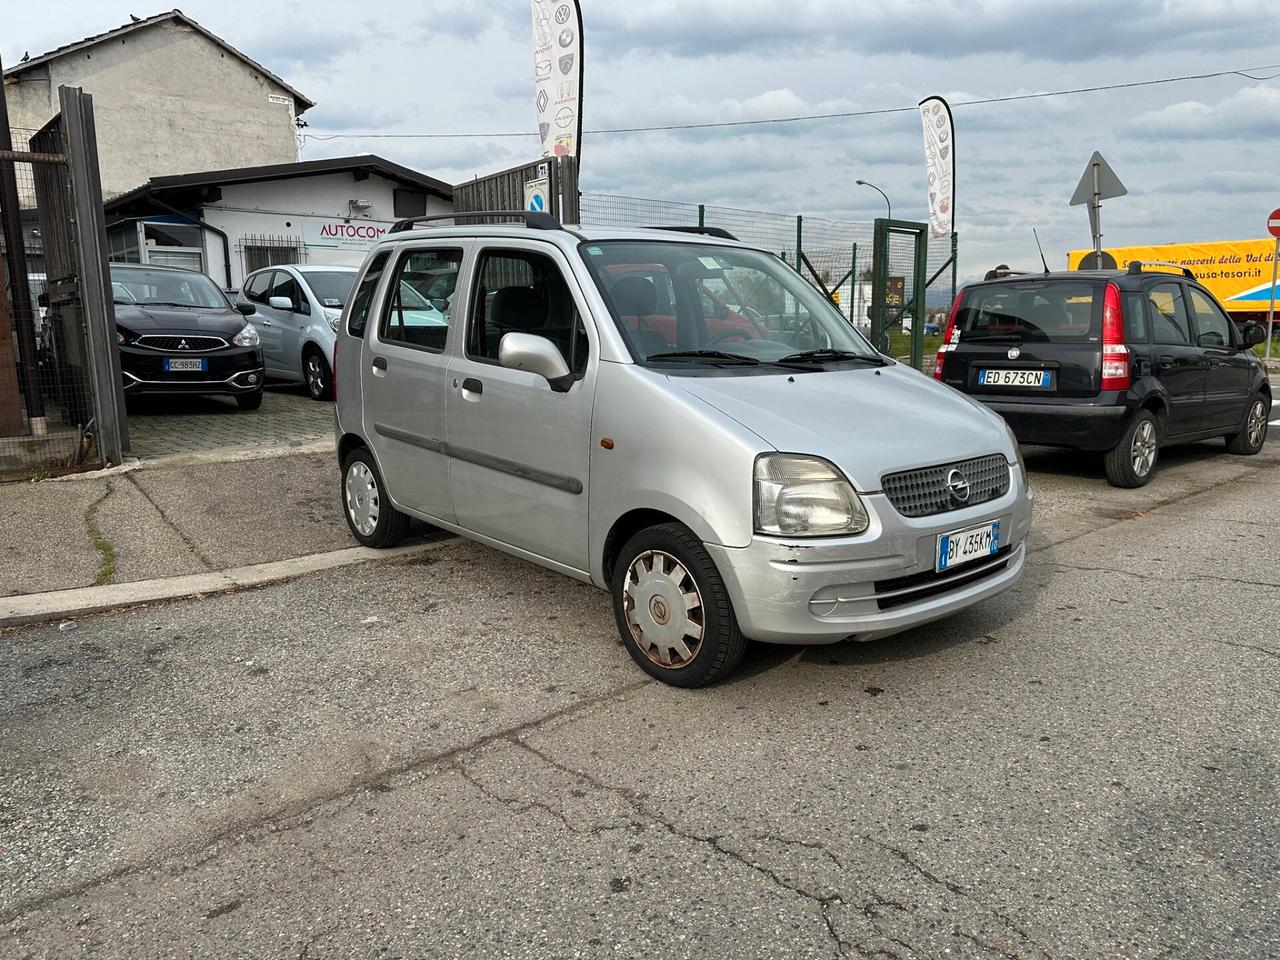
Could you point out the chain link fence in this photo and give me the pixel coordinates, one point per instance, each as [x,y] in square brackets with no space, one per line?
[833,255]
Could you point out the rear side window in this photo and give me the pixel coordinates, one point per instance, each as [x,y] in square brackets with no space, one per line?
[363,298]
[1135,319]
[1213,329]
[412,316]
[1167,311]
[524,292]
[1044,311]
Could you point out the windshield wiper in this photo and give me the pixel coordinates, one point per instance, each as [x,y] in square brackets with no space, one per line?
[829,355]
[995,338]
[167,303]
[712,356]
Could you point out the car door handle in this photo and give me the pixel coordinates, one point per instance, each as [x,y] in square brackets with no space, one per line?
[472,385]
[379,363]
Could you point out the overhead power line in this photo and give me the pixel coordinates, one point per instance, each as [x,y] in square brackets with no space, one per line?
[1247,72]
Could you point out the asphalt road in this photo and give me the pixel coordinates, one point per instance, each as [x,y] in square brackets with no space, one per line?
[452,756]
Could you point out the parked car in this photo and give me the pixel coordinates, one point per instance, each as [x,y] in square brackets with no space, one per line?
[1122,362]
[179,334]
[296,310]
[786,483]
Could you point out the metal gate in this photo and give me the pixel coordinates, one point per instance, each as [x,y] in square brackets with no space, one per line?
[60,384]
[899,284]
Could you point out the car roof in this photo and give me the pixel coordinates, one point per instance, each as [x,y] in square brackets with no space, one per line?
[118,265]
[1121,278]
[321,268]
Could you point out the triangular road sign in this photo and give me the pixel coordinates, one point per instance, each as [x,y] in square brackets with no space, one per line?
[1108,184]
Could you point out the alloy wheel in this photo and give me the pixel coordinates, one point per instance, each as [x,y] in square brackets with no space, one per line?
[1257,425]
[1143,449]
[315,375]
[664,611]
[363,501]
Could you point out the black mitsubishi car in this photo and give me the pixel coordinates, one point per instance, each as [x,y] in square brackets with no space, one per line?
[1122,362]
[178,333]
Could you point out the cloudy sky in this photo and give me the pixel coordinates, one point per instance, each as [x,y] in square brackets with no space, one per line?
[1199,157]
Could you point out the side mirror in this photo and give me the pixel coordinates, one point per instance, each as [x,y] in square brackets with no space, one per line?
[245,307]
[1253,334]
[527,351]
[42,300]
[279,303]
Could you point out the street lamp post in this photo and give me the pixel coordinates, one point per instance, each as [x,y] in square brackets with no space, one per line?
[864,183]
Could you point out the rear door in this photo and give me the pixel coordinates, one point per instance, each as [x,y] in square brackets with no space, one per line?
[1226,381]
[405,377]
[1032,338]
[1177,361]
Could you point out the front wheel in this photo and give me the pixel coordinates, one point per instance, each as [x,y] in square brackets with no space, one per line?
[1250,440]
[1133,460]
[249,401]
[370,515]
[673,610]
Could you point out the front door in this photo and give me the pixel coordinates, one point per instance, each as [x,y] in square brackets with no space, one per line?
[405,380]
[1226,384]
[291,322]
[519,451]
[266,319]
[1178,361]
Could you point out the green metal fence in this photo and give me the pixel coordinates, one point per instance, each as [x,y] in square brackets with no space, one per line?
[834,255]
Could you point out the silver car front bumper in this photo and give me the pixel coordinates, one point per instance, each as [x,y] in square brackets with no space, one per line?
[882,582]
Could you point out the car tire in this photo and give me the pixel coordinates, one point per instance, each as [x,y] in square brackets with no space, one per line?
[370,515]
[316,375]
[249,401]
[685,634]
[1250,440]
[1133,461]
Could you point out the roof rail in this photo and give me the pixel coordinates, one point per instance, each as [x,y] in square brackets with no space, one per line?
[1001,273]
[1138,266]
[533,219]
[720,232]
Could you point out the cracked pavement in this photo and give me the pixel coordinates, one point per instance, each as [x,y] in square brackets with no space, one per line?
[450,755]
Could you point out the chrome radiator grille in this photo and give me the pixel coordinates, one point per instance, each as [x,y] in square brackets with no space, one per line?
[191,344]
[939,489]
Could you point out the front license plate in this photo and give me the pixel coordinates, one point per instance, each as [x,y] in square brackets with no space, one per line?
[957,548]
[178,364]
[1035,379]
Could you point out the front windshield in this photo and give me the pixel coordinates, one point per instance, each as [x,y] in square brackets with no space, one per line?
[171,288]
[331,287]
[679,302]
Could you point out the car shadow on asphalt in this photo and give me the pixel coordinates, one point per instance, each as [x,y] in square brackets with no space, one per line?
[1062,462]
[196,405]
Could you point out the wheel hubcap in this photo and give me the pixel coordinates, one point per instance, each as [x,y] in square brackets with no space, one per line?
[363,502]
[1144,448]
[1257,427]
[663,607]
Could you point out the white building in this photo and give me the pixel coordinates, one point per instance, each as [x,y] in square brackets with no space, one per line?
[228,223]
[168,95]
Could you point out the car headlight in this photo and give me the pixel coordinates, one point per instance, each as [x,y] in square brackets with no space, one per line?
[247,337]
[1017,451]
[799,496]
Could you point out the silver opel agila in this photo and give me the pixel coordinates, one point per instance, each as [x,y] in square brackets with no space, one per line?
[678,419]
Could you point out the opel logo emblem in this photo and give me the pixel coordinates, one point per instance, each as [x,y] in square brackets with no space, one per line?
[1014,353]
[182,345]
[958,487]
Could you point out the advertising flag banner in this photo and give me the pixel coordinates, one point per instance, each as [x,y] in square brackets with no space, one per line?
[557,75]
[940,165]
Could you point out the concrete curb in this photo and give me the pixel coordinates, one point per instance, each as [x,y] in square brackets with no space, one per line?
[218,455]
[59,604]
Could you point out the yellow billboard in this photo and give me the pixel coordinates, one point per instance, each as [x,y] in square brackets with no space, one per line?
[1237,272]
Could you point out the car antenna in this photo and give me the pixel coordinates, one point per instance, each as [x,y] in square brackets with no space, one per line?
[1041,249]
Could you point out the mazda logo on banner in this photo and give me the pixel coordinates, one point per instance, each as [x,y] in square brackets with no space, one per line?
[557,39]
